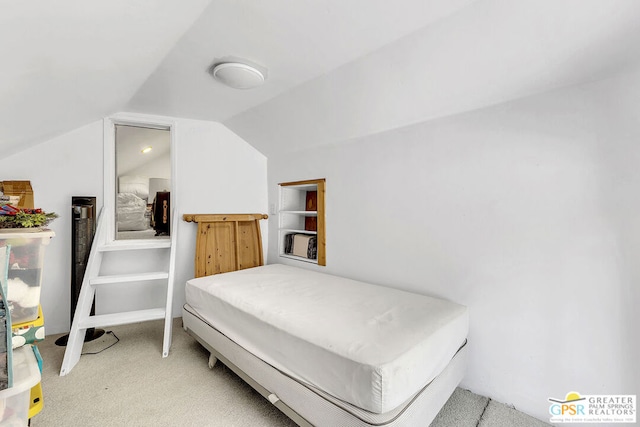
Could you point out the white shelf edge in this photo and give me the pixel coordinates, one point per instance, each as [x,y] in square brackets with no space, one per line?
[301,187]
[293,230]
[299,258]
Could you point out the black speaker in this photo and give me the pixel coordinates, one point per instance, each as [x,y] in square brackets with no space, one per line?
[83,228]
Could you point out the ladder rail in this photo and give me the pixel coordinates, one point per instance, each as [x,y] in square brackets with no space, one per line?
[85,299]
[168,319]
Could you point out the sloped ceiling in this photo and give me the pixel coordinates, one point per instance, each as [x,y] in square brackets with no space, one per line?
[66,63]
[335,69]
[296,41]
[489,52]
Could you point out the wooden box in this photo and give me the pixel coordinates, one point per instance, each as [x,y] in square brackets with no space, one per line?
[19,188]
[311,204]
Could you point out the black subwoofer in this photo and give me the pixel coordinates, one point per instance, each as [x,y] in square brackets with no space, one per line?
[83,229]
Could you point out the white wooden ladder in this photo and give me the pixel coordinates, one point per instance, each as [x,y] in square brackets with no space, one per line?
[83,320]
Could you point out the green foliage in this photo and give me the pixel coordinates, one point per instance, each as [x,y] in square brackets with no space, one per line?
[26,220]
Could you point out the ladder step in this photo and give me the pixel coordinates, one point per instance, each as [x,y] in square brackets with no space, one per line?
[126,278]
[115,319]
[134,245]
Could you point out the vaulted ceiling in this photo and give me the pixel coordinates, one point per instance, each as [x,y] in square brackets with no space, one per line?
[66,63]
[335,69]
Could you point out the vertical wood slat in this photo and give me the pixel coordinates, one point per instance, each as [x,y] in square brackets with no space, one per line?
[321,235]
[226,242]
[224,248]
[248,252]
[236,246]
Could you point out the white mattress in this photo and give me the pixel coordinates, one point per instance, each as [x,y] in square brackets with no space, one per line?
[370,346]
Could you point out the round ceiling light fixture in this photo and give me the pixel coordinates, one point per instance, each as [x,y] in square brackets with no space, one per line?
[238,75]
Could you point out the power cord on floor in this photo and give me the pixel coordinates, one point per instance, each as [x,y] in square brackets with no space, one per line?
[106,348]
[483,411]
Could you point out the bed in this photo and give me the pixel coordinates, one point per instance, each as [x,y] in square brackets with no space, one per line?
[325,350]
[133,212]
[132,221]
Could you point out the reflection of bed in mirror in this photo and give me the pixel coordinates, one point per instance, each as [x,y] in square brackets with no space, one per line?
[133,206]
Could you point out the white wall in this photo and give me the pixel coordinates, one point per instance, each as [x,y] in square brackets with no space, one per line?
[69,165]
[217,173]
[619,117]
[513,211]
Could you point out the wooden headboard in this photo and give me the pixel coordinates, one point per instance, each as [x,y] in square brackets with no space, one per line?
[226,242]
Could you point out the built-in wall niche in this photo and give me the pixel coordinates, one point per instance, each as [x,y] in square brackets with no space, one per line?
[301,221]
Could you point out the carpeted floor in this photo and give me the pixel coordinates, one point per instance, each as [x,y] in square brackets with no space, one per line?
[130,384]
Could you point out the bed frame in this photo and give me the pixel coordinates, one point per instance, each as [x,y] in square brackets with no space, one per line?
[232,242]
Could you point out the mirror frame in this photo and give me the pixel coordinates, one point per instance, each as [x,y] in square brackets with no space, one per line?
[110,185]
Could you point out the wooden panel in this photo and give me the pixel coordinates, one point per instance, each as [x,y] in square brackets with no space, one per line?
[226,242]
[310,222]
[250,255]
[223,249]
[311,201]
[322,241]
[304,182]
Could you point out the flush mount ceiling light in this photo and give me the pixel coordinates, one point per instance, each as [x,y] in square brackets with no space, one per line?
[147,149]
[238,75]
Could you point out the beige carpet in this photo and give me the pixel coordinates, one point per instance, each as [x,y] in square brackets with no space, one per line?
[130,384]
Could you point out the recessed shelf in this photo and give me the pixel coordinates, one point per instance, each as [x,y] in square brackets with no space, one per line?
[299,258]
[301,211]
[293,230]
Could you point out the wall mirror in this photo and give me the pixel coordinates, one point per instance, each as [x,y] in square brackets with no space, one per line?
[142,178]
